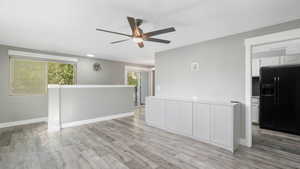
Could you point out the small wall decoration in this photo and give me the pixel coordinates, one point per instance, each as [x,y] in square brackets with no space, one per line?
[97,67]
[195,66]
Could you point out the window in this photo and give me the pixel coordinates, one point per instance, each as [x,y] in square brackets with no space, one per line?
[132,78]
[31,77]
[28,76]
[61,73]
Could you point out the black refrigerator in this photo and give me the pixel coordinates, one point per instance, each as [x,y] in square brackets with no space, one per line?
[280,98]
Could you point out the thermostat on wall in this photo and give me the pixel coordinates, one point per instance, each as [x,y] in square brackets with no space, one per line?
[195,67]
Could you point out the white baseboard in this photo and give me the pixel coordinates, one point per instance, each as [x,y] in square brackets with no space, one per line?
[23,122]
[83,122]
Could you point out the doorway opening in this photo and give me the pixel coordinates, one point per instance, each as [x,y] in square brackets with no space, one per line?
[263,51]
[142,79]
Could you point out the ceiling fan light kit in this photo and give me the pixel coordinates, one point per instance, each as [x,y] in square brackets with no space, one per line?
[137,39]
[137,33]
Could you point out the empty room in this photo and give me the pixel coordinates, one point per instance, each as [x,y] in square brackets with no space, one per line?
[186,84]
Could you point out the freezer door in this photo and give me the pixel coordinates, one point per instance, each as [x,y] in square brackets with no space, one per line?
[268,107]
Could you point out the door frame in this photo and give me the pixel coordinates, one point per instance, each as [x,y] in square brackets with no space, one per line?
[140,69]
[249,44]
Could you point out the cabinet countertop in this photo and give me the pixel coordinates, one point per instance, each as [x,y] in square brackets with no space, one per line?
[195,99]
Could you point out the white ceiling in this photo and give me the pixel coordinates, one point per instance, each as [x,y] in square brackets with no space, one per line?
[68,26]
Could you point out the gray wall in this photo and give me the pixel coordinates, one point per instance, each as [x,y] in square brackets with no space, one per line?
[222,68]
[113,72]
[15,108]
[89,103]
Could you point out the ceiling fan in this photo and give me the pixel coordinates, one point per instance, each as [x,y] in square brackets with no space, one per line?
[138,36]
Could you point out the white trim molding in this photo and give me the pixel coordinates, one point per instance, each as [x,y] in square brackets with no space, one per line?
[249,44]
[84,122]
[23,122]
[41,56]
[138,69]
[134,69]
[87,86]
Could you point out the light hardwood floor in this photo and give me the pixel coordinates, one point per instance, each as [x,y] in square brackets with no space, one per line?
[128,143]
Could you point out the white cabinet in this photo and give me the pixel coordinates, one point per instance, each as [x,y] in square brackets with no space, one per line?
[255,110]
[211,122]
[257,63]
[171,111]
[222,125]
[255,113]
[255,67]
[270,61]
[201,121]
[155,112]
[185,118]
[179,117]
[293,59]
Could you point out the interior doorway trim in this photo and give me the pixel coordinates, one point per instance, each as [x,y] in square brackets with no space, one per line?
[249,44]
[141,69]
[135,69]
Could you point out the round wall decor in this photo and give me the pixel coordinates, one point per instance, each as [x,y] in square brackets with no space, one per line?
[97,67]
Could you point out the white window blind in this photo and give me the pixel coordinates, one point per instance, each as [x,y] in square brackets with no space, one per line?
[28,77]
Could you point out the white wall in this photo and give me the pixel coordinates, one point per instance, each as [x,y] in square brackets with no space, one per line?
[217,79]
[222,68]
[16,108]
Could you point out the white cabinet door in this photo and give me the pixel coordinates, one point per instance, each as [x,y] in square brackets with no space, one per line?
[185,118]
[222,125]
[155,112]
[255,67]
[171,115]
[288,60]
[201,121]
[179,117]
[255,113]
[269,61]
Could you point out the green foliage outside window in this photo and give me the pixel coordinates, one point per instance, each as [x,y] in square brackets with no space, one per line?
[60,73]
[132,78]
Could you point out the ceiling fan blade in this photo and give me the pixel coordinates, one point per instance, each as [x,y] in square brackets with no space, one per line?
[157,40]
[141,44]
[132,23]
[119,41]
[158,32]
[138,22]
[103,30]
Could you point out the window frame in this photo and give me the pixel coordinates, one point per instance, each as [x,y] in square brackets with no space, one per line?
[11,73]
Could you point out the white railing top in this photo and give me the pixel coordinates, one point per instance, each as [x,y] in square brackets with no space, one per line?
[87,86]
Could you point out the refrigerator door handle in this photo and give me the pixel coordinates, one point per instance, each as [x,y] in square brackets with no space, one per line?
[275,88]
[277,93]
